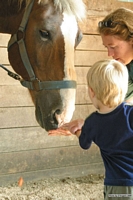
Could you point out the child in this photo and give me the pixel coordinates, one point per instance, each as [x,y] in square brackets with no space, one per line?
[110,128]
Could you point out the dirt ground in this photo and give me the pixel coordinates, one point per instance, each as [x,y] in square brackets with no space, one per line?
[84,188]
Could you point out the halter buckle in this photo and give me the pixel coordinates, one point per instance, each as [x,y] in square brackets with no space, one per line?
[36,84]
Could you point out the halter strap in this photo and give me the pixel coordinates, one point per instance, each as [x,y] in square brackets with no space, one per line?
[34,83]
[41,85]
[48,85]
[21,44]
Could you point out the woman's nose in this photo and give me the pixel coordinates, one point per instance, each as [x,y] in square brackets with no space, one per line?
[110,52]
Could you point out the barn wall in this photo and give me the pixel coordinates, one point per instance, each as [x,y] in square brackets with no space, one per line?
[26,149]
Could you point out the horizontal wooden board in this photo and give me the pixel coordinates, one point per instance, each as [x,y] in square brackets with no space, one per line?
[62,172]
[4,38]
[91,42]
[42,159]
[87,58]
[32,138]
[3,56]
[14,95]
[25,116]
[81,73]
[103,7]
[11,96]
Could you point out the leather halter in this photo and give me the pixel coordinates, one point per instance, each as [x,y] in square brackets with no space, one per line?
[34,83]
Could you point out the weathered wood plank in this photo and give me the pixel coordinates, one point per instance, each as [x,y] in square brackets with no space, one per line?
[11,96]
[91,42]
[17,117]
[42,159]
[62,172]
[5,79]
[31,138]
[81,73]
[103,7]
[89,57]
[4,38]
[4,56]
[25,116]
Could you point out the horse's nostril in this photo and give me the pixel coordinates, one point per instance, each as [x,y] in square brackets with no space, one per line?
[58,111]
[55,116]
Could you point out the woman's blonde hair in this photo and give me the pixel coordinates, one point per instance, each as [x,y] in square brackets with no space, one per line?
[109,81]
[122,24]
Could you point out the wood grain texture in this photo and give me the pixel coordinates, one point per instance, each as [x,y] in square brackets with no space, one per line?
[19,96]
[12,117]
[62,172]
[42,159]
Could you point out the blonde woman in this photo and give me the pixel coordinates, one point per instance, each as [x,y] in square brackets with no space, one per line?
[110,127]
[116,31]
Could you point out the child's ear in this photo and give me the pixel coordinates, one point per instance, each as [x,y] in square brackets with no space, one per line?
[91,92]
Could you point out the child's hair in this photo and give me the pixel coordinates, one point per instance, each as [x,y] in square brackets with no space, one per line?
[109,81]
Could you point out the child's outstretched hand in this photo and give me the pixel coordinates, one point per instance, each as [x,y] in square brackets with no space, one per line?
[59,131]
[73,127]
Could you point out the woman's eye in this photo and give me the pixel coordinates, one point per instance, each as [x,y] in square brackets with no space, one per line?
[112,47]
[44,34]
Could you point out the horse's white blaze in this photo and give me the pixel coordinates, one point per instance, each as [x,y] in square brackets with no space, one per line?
[69,30]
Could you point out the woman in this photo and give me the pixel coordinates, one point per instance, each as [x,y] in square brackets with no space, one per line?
[116,31]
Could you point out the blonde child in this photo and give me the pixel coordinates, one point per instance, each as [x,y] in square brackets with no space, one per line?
[110,127]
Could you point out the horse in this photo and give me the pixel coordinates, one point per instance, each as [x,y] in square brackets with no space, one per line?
[44,35]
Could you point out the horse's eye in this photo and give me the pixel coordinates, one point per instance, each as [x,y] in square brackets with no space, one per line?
[79,38]
[44,34]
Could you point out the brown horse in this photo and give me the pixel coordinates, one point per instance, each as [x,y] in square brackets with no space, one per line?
[44,34]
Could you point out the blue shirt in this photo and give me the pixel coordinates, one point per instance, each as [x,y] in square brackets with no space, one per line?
[113,134]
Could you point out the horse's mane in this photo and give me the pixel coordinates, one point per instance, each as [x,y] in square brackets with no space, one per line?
[76,7]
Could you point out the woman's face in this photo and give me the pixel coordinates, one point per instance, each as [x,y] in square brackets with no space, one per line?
[118,49]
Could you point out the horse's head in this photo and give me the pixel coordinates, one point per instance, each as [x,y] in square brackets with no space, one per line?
[50,37]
